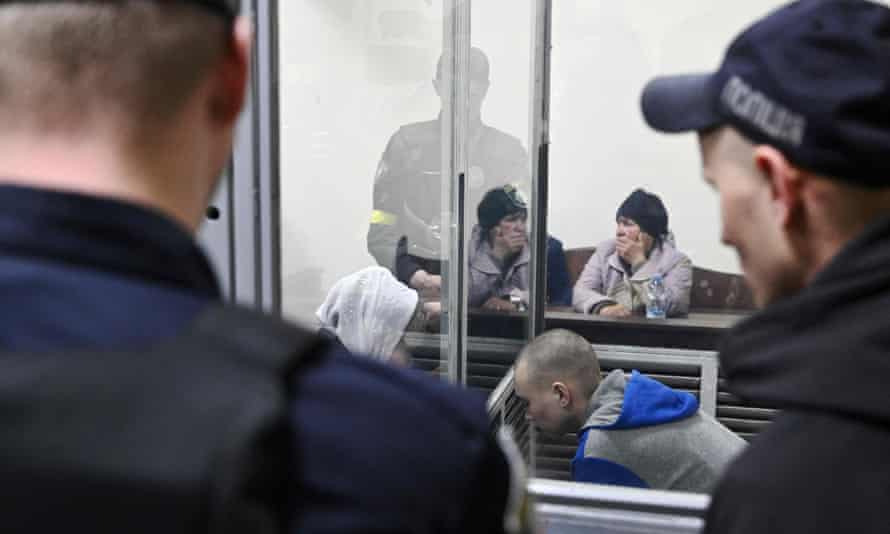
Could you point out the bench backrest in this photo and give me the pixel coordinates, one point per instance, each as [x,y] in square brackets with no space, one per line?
[711,290]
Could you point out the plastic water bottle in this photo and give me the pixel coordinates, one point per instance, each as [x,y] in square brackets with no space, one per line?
[655,305]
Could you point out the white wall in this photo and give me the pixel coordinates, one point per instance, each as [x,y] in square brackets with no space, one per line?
[603,54]
[342,94]
[346,87]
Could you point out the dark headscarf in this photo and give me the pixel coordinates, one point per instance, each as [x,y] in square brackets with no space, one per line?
[499,203]
[647,210]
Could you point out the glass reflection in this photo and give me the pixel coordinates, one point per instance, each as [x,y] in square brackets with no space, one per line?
[350,73]
[405,229]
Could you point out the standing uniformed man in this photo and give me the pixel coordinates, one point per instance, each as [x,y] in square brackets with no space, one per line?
[794,134]
[404,233]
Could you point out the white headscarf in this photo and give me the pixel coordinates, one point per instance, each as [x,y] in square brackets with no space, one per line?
[368,311]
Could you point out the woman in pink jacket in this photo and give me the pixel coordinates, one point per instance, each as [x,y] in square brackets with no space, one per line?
[613,282]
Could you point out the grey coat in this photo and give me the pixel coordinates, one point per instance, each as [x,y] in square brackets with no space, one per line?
[486,277]
[604,280]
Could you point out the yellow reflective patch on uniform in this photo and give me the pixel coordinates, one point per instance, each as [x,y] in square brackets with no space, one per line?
[383,217]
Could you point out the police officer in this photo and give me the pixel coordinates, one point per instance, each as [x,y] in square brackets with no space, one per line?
[794,132]
[118,118]
[407,188]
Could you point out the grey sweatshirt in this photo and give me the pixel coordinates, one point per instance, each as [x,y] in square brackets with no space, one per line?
[642,433]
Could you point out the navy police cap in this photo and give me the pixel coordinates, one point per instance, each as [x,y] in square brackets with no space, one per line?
[226,8]
[812,79]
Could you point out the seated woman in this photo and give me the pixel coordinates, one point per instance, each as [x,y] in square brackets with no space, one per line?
[368,312]
[613,282]
[499,256]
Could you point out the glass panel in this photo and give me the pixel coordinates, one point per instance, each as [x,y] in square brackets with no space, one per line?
[361,162]
[603,54]
[498,185]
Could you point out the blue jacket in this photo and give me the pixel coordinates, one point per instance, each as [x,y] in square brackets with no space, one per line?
[644,434]
[559,286]
[380,449]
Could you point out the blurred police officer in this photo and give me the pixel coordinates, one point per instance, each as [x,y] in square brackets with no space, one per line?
[131,399]
[408,185]
[794,132]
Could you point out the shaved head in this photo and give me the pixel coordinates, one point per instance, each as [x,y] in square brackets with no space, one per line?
[785,222]
[479,67]
[556,374]
[561,355]
[64,64]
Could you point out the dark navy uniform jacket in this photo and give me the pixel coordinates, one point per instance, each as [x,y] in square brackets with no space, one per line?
[381,450]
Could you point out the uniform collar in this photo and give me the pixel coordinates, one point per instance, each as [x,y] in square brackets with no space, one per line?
[102,234]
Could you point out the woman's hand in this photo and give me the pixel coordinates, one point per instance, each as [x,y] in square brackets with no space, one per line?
[631,250]
[429,285]
[498,304]
[614,310]
[432,310]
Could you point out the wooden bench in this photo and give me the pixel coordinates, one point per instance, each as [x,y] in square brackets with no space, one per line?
[711,290]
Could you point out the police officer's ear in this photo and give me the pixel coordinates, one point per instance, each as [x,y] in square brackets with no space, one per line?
[232,74]
[562,393]
[784,180]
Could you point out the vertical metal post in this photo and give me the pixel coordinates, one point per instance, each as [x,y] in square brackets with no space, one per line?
[708,390]
[267,134]
[457,317]
[248,197]
[245,190]
[455,119]
[539,137]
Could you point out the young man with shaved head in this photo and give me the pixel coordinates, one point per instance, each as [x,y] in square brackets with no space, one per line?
[794,132]
[632,431]
[132,399]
